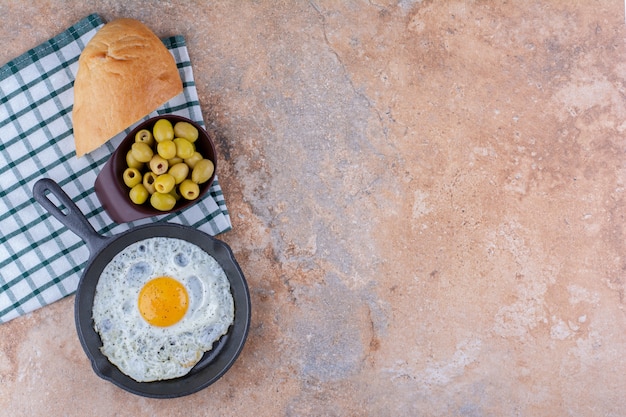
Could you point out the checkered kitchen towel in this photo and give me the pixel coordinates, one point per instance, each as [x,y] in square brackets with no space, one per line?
[41,261]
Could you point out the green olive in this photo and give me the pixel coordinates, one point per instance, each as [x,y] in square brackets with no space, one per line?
[184,148]
[179,172]
[141,151]
[186,130]
[158,164]
[175,160]
[167,149]
[131,177]
[162,202]
[163,130]
[191,161]
[131,162]
[138,194]
[148,181]
[175,193]
[202,171]
[189,190]
[164,183]
[145,136]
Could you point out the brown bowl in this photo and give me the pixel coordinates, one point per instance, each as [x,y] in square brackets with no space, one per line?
[113,193]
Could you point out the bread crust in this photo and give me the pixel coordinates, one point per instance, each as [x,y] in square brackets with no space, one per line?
[124,73]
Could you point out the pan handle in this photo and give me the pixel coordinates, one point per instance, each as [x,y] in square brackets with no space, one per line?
[71,217]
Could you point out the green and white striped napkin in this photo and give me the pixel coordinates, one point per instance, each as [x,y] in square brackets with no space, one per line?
[41,261]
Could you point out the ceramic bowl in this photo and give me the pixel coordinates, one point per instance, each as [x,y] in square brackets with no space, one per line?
[114,194]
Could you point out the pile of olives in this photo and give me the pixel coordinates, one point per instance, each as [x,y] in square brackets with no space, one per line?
[164,166]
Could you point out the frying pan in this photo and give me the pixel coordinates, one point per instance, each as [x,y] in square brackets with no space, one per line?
[102,249]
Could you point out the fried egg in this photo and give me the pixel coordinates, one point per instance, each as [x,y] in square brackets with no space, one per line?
[160,304]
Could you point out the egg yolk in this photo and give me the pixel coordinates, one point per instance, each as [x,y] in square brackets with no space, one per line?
[163,301]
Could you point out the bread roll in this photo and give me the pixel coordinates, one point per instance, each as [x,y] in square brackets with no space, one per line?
[124,73]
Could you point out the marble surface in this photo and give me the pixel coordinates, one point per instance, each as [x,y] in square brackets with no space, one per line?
[428,202]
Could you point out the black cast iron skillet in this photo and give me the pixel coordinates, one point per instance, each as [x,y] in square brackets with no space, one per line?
[101,250]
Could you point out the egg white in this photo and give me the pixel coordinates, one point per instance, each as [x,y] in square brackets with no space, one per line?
[150,353]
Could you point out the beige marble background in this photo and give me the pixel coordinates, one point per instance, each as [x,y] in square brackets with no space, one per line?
[428,201]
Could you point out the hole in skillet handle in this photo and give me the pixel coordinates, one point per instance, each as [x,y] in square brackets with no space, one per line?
[113,193]
[215,363]
[49,194]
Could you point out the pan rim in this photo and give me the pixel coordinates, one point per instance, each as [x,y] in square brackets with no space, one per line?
[215,363]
